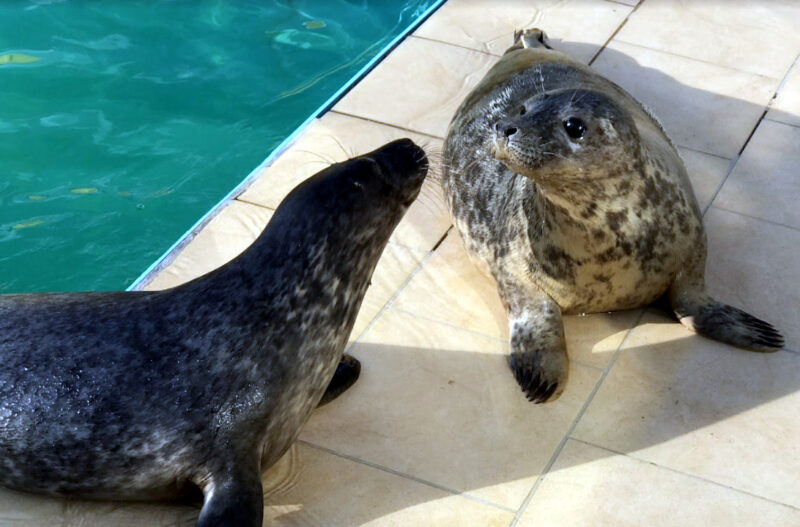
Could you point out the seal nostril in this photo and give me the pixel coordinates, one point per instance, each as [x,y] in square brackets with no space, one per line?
[508,132]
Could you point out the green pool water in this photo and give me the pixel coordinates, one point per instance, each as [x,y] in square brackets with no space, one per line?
[122,122]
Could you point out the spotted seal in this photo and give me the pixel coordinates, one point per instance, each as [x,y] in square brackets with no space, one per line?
[569,192]
[144,395]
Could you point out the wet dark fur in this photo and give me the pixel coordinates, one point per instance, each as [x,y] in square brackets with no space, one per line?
[137,395]
[603,222]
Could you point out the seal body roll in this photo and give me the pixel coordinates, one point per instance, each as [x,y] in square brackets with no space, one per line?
[143,395]
[569,192]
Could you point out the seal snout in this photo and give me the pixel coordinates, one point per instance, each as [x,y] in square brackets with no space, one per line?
[404,165]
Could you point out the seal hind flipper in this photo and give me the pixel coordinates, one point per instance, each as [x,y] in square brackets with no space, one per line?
[729,324]
[346,375]
[538,349]
[233,497]
[715,320]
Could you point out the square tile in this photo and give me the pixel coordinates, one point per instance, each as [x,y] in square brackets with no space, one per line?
[308,487]
[576,27]
[335,138]
[753,265]
[706,172]
[449,288]
[705,107]
[592,486]
[419,86]
[395,266]
[702,408]
[441,404]
[757,37]
[765,182]
[229,233]
[786,106]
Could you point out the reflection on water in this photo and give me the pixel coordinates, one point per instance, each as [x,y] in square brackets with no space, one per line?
[121,123]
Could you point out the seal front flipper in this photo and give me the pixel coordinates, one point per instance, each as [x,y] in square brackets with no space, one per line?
[538,349]
[233,497]
[715,320]
[346,374]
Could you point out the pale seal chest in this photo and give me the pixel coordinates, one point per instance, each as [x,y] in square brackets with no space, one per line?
[140,395]
[570,193]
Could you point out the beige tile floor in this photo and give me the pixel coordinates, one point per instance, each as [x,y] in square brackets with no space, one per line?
[657,426]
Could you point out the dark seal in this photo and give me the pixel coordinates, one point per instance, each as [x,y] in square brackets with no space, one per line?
[145,395]
[571,194]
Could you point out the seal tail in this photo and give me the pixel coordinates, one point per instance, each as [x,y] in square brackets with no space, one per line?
[530,38]
[729,324]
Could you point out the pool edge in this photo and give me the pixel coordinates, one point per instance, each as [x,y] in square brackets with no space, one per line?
[172,252]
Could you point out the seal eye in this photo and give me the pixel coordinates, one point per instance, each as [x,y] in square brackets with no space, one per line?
[522,111]
[574,127]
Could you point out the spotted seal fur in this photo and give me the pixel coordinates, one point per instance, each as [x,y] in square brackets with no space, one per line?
[570,193]
[143,395]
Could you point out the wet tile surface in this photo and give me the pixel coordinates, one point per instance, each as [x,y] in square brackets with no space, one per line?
[311,488]
[702,408]
[419,86]
[587,484]
[441,404]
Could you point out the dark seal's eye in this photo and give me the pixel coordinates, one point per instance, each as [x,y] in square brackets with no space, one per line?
[522,111]
[574,127]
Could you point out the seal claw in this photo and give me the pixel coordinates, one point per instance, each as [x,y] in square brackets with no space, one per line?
[536,383]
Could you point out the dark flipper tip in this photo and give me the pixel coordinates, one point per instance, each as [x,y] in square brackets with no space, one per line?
[734,326]
[347,373]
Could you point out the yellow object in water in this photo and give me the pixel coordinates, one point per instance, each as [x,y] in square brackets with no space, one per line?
[314,24]
[84,190]
[36,197]
[26,224]
[17,58]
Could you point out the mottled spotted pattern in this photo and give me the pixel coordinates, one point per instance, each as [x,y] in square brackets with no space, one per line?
[605,220]
[137,395]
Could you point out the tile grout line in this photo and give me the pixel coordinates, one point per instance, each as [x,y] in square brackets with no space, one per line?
[717,190]
[777,224]
[614,34]
[396,293]
[429,39]
[776,121]
[687,474]
[722,66]
[697,150]
[620,3]
[399,474]
[426,134]
[574,424]
[240,200]
[752,132]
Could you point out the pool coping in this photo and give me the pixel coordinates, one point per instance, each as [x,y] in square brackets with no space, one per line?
[174,250]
